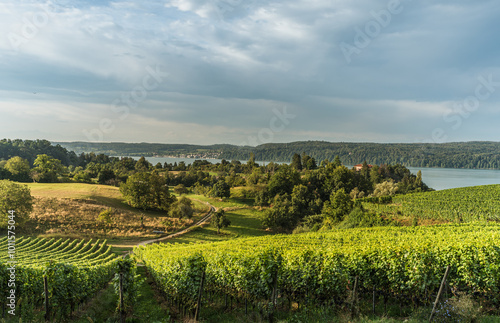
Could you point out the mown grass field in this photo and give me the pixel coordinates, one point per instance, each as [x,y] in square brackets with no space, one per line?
[245,221]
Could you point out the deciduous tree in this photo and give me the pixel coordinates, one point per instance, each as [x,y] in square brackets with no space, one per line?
[220,220]
[147,191]
[17,198]
[19,168]
[47,169]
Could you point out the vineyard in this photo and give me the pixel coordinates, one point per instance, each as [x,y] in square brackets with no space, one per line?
[404,264]
[75,271]
[459,204]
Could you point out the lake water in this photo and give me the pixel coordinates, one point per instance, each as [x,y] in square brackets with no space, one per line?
[443,178]
[437,178]
[189,161]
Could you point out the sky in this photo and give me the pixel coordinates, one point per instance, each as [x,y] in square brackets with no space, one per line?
[249,72]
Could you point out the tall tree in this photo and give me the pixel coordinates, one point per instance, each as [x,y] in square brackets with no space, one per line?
[142,164]
[220,220]
[296,162]
[19,168]
[339,205]
[15,201]
[47,169]
[251,164]
[283,181]
[337,162]
[182,208]
[147,191]
[220,189]
[281,215]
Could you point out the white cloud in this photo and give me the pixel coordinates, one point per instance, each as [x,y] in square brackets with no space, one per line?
[230,61]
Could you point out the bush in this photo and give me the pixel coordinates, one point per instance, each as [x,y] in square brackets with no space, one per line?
[17,198]
[387,188]
[219,220]
[180,189]
[363,219]
[182,208]
[460,308]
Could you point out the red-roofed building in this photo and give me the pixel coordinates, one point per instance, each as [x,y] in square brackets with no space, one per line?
[358,167]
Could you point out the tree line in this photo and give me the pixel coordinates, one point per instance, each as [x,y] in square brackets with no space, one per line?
[480,155]
[306,194]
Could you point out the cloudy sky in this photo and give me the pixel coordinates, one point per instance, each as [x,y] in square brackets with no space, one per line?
[250,71]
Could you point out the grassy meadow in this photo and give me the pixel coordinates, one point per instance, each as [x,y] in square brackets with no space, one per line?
[72,210]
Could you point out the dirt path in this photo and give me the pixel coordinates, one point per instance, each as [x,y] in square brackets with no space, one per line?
[173,235]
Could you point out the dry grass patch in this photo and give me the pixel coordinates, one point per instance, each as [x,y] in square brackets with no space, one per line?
[79,218]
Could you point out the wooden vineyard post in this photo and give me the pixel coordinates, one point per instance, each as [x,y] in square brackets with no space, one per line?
[443,283]
[274,296]
[373,300]
[46,291]
[122,309]
[198,303]
[354,297]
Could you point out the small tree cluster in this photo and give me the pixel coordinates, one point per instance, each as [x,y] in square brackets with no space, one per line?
[17,198]
[147,191]
[220,220]
[182,208]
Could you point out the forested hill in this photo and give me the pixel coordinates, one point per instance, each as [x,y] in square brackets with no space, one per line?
[29,149]
[484,155]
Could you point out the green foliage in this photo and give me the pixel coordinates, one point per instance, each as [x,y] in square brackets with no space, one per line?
[449,155]
[220,220]
[19,168]
[262,197]
[360,218]
[337,207]
[131,282]
[296,162]
[17,198]
[106,176]
[460,308]
[29,149]
[178,276]
[182,208]
[458,204]
[251,164]
[387,188]
[283,181]
[147,191]
[255,177]
[181,189]
[281,215]
[105,217]
[220,189]
[82,177]
[403,262]
[47,169]
[308,162]
[142,165]
[75,270]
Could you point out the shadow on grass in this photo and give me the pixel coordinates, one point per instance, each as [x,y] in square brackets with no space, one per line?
[244,223]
